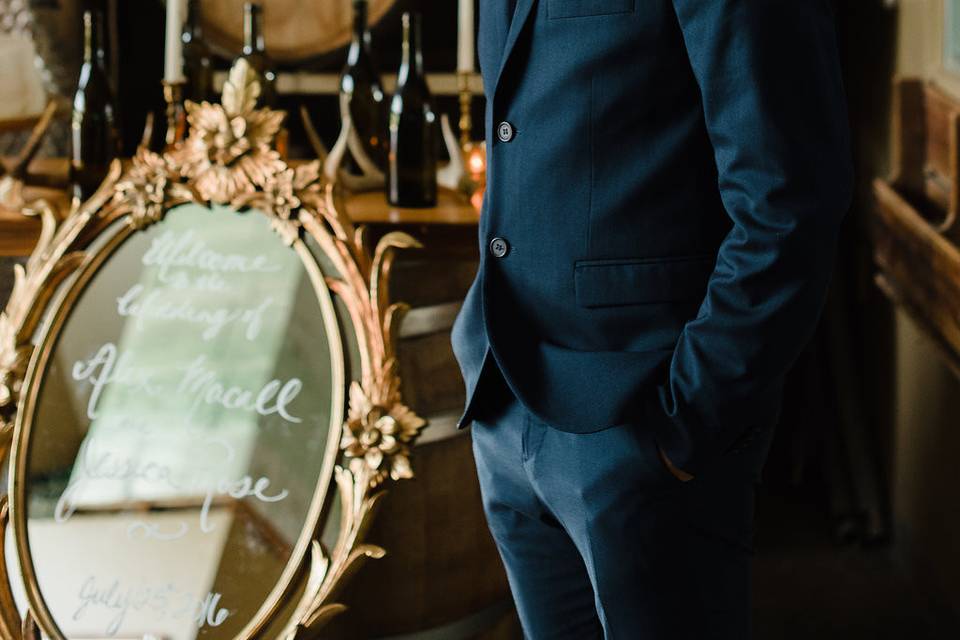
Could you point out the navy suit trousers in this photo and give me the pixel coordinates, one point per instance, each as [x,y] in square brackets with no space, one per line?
[600,540]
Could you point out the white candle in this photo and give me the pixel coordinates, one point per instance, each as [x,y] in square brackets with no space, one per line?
[465,61]
[173,61]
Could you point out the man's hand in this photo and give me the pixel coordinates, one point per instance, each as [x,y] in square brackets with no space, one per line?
[680,474]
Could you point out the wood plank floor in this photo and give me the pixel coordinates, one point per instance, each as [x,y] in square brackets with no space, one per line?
[807,586]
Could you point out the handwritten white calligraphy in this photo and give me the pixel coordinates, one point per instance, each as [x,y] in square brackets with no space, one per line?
[158,304]
[162,599]
[205,387]
[111,366]
[108,367]
[173,250]
[97,462]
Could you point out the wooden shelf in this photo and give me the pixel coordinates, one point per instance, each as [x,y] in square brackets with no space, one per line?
[916,223]
[18,233]
[451,209]
[46,172]
[309,83]
[919,269]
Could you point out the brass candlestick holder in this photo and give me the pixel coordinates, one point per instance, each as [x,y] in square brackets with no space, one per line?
[473,154]
[176,112]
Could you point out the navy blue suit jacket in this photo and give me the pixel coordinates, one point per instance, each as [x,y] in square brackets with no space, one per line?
[670,199]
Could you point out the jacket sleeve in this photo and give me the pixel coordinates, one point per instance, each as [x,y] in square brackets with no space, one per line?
[773,104]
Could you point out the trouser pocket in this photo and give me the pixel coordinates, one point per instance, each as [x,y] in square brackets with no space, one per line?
[534,431]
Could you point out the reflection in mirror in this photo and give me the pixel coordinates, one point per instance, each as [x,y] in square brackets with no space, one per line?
[183,432]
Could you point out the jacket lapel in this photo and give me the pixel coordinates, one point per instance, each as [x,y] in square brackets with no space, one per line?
[520,17]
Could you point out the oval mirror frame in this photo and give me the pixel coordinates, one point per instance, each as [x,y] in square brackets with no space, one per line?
[31,400]
[228,159]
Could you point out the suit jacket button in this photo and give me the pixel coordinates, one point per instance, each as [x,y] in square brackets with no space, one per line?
[505,131]
[499,247]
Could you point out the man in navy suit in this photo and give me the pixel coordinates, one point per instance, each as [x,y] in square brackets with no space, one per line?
[665,186]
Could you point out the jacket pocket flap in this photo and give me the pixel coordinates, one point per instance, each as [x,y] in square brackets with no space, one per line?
[584,8]
[601,283]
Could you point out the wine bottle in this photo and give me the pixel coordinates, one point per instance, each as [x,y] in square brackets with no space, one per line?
[94,139]
[413,152]
[361,94]
[255,53]
[197,58]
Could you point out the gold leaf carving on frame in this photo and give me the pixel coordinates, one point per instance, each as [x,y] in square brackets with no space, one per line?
[230,148]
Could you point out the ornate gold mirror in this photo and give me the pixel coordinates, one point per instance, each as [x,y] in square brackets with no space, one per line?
[189,363]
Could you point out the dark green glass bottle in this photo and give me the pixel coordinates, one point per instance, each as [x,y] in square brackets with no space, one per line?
[197,59]
[361,93]
[255,53]
[94,139]
[412,176]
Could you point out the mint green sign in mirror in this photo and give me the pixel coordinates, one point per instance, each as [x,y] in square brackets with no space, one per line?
[951,35]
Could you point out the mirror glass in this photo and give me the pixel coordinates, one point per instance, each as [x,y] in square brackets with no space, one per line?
[951,35]
[183,432]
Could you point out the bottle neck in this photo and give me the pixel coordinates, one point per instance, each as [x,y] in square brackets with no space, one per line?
[360,32]
[253,29]
[93,38]
[412,60]
[192,29]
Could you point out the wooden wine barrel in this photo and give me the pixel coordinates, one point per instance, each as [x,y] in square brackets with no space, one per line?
[442,578]
[294,30]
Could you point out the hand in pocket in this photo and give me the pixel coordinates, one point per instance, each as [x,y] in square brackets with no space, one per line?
[680,474]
